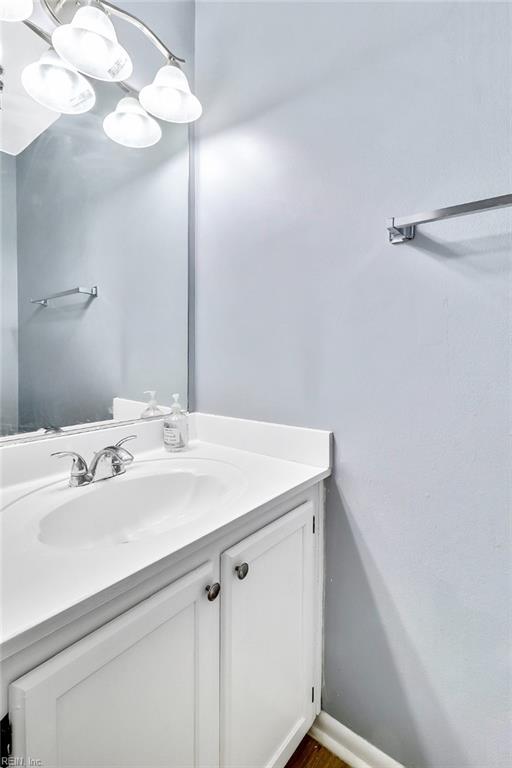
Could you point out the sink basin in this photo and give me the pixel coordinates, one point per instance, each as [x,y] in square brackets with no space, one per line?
[151,499]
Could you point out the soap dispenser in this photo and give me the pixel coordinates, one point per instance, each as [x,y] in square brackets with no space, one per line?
[152,408]
[176,427]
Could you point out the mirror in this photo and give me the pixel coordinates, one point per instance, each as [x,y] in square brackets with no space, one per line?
[79,211]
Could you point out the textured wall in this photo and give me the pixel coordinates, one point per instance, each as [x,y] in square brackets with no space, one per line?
[8,298]
[321,120]
[91,212]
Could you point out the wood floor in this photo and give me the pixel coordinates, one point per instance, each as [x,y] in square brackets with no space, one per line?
[311,754]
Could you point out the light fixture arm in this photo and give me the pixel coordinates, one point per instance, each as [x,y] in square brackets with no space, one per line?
[38,31]
[136,22]
[131,19]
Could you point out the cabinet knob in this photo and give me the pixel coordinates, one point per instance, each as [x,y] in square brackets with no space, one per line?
[213,591]
[242,570]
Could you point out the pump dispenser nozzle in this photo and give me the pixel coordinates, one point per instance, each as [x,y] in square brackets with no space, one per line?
[152,408]
[176,406]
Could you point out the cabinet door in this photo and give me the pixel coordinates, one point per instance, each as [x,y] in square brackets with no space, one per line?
[141,691]
[267,638]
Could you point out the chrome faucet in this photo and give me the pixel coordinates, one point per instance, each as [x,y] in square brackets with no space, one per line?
[109,462]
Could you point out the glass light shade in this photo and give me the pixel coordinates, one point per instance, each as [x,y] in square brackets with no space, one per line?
[54,84]
[90,45]
[131,126]
[15,10]
[169,97]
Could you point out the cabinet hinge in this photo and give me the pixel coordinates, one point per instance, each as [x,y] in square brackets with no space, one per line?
[313,694]
[314,523]
[5,739]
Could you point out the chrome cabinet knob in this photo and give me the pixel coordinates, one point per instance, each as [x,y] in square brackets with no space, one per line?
[242,570]
[213,591]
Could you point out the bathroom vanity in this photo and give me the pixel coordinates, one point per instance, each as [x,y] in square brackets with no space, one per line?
[171,616]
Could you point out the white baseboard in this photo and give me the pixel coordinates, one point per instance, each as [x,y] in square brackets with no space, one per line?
[348,746]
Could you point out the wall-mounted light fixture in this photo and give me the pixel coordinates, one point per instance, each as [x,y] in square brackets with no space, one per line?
[86,44]
[169,96]
[56,85]
[90,44]
[131,126]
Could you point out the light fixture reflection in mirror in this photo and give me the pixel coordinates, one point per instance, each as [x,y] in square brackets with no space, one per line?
[131,126]
[54,84]
[16,10]
[169,96]
[90,45]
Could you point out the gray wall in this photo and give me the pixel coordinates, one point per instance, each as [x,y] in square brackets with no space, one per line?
[91,212]
[8,298]
[321,120]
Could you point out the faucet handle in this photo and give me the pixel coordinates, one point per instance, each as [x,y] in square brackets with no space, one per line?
[125,455]
[78,468]
[125,440]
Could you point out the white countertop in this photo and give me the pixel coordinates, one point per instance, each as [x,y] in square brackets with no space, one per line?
[40,581]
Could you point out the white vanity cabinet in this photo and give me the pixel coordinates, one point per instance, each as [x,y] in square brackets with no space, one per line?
[183,681]
[267,660]
[141,691]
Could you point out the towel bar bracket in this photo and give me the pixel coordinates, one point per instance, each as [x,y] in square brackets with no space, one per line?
[400,234]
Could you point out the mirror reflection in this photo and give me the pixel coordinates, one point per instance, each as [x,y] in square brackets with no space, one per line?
[94,219]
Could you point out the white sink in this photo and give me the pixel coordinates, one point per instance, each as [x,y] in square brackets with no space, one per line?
[152,498]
